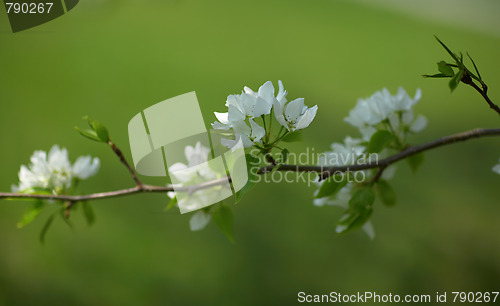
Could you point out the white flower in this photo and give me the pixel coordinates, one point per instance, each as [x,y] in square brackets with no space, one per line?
[382,109]
[248,104]
[195,156]
[242,109]
[496,168]
[54,171]
[199,220]
[85,167]
[293,115]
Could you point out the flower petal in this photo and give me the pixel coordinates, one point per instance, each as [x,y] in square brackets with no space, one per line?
[222,117]
[257,131]
[307,118]
[266,91]
[241,127]
[199,220]
[235,114]
[496,169]
[262,107]
[282,93]
[294,109]
[85,167]
[278,113]
[219,126]
[419,124]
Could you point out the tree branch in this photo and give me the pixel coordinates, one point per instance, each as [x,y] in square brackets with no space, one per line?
[326,172]
[323,171]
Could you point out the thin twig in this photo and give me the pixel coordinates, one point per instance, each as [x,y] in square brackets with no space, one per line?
[466,79]
[378,174]
[120,155]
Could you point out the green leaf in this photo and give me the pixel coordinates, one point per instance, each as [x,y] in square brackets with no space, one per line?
[253,163]
[437,75]
[415,161]
[252,160]
[387,194]
[62,212]
[359,211]
[88,134]
[30,214]
[46,227]
[475,67]
[352,220]
[171,203]
[88,213]
[330,187]
[31,190]
[293,137]
[223,218]
[453,55]
[379,141]
[100,130]
[455,80]
[363,198]
[445,69]
[240,193]
[284,156]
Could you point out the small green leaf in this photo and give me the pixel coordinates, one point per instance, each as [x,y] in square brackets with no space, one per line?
[387,194]
[223,218]
[415,161]
[331,186]
[352,220]
[379,141]
[475,67]
[36,190]
[363,198]
[455,80]
[100,131]
[293,137]
[46,227]
[62,212]
[88,134]
[88,212]
[453,55]
[30,214]
[253,163]
[252,160]
[445,69]
[437,75]
[240,193]
[284,156]
[171,203]
[359,211]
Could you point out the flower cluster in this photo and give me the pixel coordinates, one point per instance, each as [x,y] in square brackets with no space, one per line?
[381,112]
[244,109]
[54,172]
[384,111]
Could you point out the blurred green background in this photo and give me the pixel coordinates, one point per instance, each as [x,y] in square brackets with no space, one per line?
[112,59]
